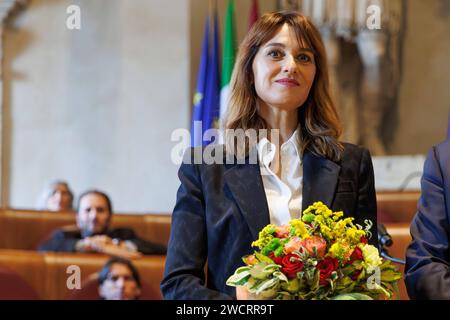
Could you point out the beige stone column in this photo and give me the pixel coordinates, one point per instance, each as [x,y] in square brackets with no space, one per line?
[8,10]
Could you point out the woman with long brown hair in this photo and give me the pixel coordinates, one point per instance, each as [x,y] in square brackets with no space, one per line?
[280,102]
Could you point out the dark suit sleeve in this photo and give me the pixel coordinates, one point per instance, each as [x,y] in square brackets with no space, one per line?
[147,247]
[367,200]
[184,276]
[59,242]
[427,273]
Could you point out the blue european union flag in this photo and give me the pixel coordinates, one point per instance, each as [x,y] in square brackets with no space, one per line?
[207,96]
[199,96]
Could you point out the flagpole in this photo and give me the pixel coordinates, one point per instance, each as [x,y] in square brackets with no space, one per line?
[212,5]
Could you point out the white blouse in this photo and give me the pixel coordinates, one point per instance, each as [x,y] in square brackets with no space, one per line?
[284,196]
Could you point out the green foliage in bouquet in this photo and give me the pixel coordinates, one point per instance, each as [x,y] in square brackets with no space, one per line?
[321,256]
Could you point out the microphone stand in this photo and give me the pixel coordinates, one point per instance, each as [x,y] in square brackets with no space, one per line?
[385,240]
[385,254]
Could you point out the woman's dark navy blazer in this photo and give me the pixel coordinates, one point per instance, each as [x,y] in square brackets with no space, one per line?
[220,209]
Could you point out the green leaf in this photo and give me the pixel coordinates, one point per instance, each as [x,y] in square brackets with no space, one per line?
[239,278]
[271,246]
[280,276]
[269,293]
[242,269]
[312,278]
[279,251]
[257,271]
[271,268]
[266,285]
[262,270]
[390,276]
[252,283]
[282,295]
[348,270]
[291,286]
[263,258]
[352,296]
[308,217]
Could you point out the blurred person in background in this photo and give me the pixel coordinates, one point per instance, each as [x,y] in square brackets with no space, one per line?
[119,280]
[93,232]
[56,196]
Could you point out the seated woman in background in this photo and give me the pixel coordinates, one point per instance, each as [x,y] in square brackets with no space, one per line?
[57,196]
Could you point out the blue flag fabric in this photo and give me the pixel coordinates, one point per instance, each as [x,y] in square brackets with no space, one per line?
[207,96]
[199,96]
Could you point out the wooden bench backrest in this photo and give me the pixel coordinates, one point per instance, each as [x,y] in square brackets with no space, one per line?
[397,207]
[47,272]
[25,229]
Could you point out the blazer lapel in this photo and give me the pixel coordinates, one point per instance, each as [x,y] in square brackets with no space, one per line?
[320,177]
[245,183]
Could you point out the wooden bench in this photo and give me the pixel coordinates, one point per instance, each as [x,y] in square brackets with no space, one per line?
[25,229]
[47,272]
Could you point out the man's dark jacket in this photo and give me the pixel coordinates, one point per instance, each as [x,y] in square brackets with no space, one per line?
[427,272]
[64,240]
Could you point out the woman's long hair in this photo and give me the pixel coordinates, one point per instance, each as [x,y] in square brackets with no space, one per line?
[318,118]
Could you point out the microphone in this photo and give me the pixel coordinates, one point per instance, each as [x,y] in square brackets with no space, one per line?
[384,238]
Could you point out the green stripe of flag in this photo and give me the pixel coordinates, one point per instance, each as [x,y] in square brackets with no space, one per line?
[229,54]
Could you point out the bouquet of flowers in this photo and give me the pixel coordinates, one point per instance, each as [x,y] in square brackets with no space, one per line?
[320,256]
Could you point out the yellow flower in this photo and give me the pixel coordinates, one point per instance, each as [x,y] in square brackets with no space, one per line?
[354,234]
[326,231]
[339,229]
[265,235]
[299,228]
[371,257]
[307,210]
[340,250]
[338,215]
[336,250]
[322,209]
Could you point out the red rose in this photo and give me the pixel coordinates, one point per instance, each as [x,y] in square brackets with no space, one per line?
[326,267]
[275,259]
[291,267]
[356,255]
[364,240]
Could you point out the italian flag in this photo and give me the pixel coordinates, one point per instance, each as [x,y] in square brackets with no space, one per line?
[228,58]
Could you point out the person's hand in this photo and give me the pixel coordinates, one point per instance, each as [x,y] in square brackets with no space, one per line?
[106,245]
[93,244]
[97,243]
[242,293]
